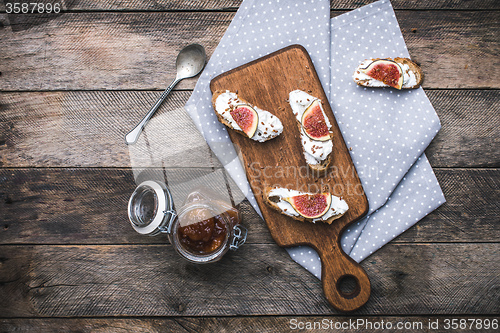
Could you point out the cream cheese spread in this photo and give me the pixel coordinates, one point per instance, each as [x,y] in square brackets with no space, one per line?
[337,207]
[409,78]
[314,151]
[269,125]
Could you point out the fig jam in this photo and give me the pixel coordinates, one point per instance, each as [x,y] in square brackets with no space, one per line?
[203,237]
[205,226]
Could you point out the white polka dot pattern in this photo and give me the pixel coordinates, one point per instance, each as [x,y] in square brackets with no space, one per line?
[259,28]
[417,195]
[387,129]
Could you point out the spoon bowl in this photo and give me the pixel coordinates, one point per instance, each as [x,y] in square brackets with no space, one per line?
[190,62]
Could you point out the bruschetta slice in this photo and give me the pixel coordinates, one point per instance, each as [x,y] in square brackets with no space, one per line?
[306,207]
[399,73]
[314,127]
[244,117]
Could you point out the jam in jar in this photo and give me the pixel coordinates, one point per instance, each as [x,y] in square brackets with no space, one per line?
[205,233]
[205,227]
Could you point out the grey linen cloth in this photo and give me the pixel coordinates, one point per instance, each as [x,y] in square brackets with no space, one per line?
[259,28]
[387,130]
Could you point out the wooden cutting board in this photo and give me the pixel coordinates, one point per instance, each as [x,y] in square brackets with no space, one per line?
[266,83]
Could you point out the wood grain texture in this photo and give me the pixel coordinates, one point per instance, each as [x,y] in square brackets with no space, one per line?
[264,324]
[83,281]
[111,51]
[87,51]
[473,198]
[88,206]
[87,129]
[199,5]
[280,163]
[82,206]
[93,267]
[57,129]
[462,49]
[470,132]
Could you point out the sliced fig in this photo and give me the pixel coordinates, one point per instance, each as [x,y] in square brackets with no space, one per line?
[311,206]
[314,123]
[386,71]
[246,118]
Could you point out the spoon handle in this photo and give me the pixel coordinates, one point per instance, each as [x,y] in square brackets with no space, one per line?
[133,135]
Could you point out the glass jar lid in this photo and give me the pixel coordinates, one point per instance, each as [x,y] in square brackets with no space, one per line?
[150,208]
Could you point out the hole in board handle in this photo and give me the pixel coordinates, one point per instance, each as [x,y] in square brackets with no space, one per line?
[348,286]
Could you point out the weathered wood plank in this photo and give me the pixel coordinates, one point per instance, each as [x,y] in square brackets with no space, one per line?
[76,281]
[465,191]
[470,134]
[89,206]
[459,41]
[85,51]
[87,129]
[264,324]
[103,50]
[91,127]
[164,5]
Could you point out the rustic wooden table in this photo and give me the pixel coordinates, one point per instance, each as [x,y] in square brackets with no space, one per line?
[73,84]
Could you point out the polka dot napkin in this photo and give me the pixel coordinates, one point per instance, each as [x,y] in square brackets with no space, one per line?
[388,130]
[259,28]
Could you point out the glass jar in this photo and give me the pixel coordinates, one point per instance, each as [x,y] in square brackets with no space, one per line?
[202,230]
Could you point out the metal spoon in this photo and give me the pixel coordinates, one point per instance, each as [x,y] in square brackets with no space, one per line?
[189,63]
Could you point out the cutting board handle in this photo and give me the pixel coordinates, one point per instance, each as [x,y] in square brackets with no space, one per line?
[337,267]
